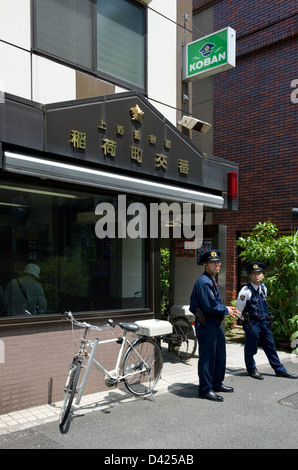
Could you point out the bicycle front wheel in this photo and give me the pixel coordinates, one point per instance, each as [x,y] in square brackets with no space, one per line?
[183,341]
[70,389]
[142,364]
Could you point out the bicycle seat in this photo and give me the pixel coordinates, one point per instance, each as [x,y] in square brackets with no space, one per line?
[129,326]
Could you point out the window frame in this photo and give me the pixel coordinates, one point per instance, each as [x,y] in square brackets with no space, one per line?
[150,265]
[94,72]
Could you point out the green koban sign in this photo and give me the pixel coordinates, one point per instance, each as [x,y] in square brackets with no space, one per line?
[210,55]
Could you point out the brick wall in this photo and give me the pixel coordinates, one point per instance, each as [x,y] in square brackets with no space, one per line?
[255,122]
[37,359]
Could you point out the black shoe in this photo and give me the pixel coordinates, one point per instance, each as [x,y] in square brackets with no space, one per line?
[223,388]
[211,396]
[286,374]
[256,375]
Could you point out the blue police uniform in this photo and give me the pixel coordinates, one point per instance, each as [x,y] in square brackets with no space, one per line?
[212,346]
[252,302]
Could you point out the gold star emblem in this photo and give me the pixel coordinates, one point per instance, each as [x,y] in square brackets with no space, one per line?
[136,113]
[213,254]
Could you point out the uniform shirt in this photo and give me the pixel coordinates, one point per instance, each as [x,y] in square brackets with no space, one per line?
[254,304]
[205,296]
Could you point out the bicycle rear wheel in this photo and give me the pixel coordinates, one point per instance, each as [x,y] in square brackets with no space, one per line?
[183,341]
[143,363]
[70,389]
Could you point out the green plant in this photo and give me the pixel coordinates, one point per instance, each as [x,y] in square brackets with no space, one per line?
[65,279]
[280,255]
[164,279]
[294,337]
[230,321]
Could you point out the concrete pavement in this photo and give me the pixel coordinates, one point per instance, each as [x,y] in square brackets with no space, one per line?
[175,374]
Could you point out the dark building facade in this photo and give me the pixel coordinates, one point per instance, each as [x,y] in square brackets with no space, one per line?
[88,122]
[64,168]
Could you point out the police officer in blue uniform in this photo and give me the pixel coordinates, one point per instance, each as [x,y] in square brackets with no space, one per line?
[252,303]
[206,305]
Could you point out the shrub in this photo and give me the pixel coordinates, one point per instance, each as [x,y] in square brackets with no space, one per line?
[280,255]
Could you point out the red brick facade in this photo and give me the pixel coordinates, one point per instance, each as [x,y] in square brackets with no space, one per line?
[255,119]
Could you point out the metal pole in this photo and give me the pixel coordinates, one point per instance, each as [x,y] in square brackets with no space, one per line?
[88,367]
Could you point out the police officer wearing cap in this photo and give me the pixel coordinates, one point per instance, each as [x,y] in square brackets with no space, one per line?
[206,305]
[252,303]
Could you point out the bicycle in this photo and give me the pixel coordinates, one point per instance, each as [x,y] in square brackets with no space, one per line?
[182,341]
[140,369]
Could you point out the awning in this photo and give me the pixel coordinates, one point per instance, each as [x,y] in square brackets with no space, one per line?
[54,170]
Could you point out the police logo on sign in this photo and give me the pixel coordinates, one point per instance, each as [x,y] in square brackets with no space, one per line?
[207,49]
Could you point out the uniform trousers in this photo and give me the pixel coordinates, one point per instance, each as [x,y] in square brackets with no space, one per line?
[259,330]
[212,354]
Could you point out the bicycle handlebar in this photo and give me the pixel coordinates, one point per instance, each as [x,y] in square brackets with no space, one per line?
[71,318]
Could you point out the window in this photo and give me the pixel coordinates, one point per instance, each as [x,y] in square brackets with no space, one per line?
[52,260]
[120,40]
[64,29]
[103,36]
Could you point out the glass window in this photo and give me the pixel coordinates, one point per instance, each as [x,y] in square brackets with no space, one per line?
[64,29]
[53,261]
[106,37]
[120,40]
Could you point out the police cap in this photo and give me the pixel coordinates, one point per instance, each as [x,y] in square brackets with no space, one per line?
[255,266]
[211,255]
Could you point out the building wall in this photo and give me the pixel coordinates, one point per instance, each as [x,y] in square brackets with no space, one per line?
[35,356]
[203,89]
[36,359]
[46,81]
[162,57]
[255,120]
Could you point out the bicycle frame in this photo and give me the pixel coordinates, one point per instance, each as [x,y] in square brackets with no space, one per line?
[133,366]
[91,360]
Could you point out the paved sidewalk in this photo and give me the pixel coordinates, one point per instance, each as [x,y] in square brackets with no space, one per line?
[174,372]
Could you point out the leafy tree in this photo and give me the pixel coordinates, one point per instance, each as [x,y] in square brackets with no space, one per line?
[280,255]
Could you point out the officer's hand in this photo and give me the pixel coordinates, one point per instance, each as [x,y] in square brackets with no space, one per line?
[233,312]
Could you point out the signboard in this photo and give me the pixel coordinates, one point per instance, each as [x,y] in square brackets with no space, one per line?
[123,133]
[181,249]
[210,55]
